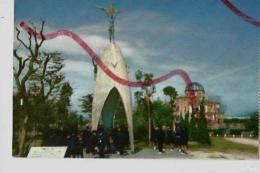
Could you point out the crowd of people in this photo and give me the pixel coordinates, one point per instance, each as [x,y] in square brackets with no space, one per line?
[99,143]
[163,136]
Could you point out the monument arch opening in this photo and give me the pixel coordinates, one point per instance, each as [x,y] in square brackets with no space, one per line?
[113,111]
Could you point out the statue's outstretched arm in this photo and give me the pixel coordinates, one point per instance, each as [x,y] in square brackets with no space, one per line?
[103,9]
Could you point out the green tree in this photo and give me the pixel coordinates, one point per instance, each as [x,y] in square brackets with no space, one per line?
[73,122]
[203,131]
[147,91]
[63,104]
[252,124]
[171,93]
[162,113]
[139,98]
[140,119]
[86,103]
[193,128]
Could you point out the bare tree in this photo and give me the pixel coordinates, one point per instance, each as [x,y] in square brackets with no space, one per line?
[36,77]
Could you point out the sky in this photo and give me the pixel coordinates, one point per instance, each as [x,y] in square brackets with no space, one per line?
[203,37]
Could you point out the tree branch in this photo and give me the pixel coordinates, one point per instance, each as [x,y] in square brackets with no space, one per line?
[35,37]
[20,63]
[45,63]
[41,32]
[51,87]
[22,42]
[19,39]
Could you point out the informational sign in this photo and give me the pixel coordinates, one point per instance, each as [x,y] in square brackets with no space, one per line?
[47,152]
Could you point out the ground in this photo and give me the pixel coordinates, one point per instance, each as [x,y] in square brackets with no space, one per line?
[221,148]
[253,142]
[226,148]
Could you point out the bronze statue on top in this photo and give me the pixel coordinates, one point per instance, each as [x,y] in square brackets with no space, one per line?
[111,13]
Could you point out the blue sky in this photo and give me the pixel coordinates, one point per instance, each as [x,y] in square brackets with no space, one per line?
[203,37]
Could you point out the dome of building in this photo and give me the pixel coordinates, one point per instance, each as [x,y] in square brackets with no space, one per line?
[194,86]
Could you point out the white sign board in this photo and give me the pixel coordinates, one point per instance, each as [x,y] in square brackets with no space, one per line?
[47,152]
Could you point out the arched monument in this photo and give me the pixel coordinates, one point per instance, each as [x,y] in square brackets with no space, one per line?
[107,91]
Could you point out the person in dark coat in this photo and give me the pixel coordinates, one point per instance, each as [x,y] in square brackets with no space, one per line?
[72,144]
[93,143]
[154,137]
[119,141]
[183,138]
[113,140]
[160,139]
[79,146]
[68,151]
[178,138]
[174,139]
[170,138]
[86,138]
[101,142]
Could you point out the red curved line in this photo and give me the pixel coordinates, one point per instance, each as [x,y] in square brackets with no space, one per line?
[241,14]
[99,62]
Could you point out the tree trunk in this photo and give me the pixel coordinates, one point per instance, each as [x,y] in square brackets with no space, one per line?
[149,119]
[22,136]
[149,127]
[173,123]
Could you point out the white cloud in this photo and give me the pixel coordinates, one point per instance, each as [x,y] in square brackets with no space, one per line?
[234,71]
[68,46]
[136,53]
[84,68]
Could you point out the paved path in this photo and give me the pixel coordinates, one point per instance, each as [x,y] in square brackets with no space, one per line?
[148,153]
[247,141]
[220,155]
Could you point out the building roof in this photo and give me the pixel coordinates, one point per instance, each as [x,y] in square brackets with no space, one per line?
[194,86]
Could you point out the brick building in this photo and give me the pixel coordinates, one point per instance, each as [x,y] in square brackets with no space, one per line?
[213,113]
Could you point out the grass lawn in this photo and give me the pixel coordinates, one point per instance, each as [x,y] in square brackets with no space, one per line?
[220,144]
[141,144]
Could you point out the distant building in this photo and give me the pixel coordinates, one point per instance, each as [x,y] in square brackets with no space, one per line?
[213,113]
[235,126]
